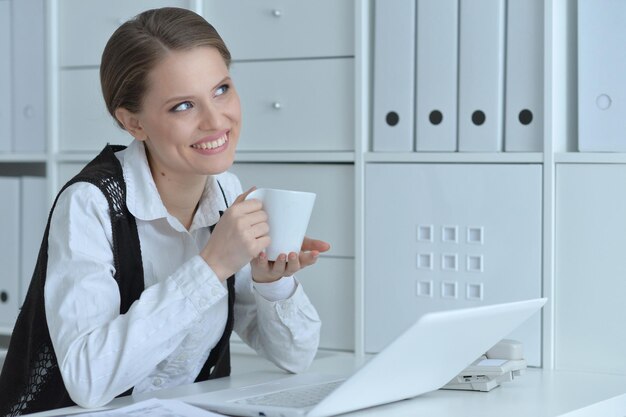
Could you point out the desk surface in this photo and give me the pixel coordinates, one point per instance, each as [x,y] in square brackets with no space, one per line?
[537,393]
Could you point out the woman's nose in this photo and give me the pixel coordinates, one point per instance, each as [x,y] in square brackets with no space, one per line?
[210,117]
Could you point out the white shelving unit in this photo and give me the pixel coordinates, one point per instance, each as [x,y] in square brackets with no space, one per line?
[559,149]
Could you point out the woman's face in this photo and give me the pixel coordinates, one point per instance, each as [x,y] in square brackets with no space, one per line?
[191,115]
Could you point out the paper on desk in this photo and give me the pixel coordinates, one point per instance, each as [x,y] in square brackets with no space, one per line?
[155,408]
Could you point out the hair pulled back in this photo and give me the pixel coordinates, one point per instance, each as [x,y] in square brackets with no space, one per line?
[139,44]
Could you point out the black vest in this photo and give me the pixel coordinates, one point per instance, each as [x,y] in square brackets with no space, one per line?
[31,380]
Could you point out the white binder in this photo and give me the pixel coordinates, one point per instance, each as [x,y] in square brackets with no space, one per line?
[523,114]
[394,64]
[437,69]
[9,249]
[29,133]
[601,75]
[35,207]
[481,75]
[5,77]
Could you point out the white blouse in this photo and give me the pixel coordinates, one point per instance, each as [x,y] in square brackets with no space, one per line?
[166,336]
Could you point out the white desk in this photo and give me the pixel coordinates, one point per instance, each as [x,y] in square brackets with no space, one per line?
[538,393]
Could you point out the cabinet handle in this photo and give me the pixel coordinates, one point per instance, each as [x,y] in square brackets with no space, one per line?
[277,13]
[276,105]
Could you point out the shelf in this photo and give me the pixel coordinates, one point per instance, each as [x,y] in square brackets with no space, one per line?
[75,157]
[455,157]
[590,158]
[559,142]
[309,157]
[22,157]
[392,157]
[247,156]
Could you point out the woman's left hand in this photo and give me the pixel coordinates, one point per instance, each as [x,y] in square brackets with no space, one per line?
[264,270]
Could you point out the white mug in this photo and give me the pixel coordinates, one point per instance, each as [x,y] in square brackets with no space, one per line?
[288,215]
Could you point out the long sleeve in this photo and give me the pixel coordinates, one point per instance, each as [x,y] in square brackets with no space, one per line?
[100,352]
[285,331]
[166,336]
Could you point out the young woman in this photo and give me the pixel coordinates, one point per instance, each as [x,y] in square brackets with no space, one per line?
[152,255]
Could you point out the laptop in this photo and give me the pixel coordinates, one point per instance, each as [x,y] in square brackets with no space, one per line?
[424,358]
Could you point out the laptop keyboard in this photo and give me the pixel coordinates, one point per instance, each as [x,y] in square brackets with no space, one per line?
[306,396]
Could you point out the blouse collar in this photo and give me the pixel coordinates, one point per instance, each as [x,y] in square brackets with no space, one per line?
[144,201]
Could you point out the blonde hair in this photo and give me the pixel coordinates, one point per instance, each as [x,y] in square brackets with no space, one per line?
[139,44]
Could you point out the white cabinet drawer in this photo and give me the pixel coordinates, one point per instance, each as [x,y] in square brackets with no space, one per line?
[35,209]
[270,29]
[330,282]
[85,124]
[86,25]
[329,285]
[303,105]
[10,216]
[332,219]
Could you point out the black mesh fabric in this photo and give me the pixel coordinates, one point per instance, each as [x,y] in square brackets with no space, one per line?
[40,373]
[30,380]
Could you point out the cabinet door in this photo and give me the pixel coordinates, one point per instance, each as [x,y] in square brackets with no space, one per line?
[332,219]
[67,170]
[85,125]
[330,282]
[271,29]
[34,208]
[447,236]
[86,25]
[303,105]
[590,269]
[5,76]
[9,250]
[329,286]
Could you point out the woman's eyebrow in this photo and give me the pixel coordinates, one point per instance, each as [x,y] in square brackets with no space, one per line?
[187,97]
[176,99]
[225,79]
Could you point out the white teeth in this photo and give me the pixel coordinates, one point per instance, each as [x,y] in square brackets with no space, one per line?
[211,145]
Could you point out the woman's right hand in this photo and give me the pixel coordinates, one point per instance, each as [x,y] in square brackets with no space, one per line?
[240,235]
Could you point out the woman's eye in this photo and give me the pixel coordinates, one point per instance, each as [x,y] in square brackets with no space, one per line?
[185,105]
[222,89]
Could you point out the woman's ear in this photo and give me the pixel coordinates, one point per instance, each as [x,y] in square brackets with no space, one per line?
[131,123]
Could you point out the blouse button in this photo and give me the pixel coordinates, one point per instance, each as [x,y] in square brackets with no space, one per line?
[157,382]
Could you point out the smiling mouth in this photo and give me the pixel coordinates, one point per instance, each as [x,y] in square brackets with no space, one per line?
[212,144]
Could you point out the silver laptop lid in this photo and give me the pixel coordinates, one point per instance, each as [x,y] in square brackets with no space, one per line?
[427,355]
